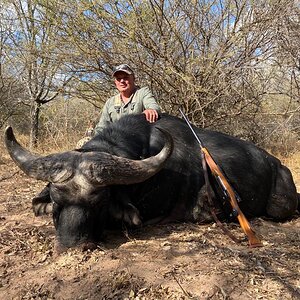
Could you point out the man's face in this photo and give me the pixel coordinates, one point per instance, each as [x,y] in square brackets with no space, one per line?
[124,82]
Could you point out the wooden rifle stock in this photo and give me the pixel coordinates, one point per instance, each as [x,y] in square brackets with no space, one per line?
[218,174]
[226,188]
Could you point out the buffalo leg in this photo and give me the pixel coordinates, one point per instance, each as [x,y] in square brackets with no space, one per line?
[41,203]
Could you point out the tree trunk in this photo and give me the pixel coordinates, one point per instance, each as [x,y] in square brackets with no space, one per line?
[34,123]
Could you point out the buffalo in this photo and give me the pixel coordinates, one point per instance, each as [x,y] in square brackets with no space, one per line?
[142,173]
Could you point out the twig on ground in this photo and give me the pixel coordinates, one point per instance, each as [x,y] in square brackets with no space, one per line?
[183,290]
[9,176]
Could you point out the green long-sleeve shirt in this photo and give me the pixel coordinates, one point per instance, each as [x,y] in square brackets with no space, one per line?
[114,108]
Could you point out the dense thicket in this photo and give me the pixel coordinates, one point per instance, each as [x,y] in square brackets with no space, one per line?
[232,65]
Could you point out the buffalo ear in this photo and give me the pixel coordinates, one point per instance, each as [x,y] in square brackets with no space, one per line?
[57,169]
[60,176]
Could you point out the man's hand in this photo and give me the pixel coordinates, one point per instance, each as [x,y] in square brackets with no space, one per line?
[151,115]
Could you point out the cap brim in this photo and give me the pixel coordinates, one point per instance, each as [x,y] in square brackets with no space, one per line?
[124,71]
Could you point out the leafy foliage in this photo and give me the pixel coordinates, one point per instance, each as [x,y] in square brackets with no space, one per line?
[232,65]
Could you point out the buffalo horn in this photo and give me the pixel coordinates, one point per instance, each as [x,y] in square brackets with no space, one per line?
[120,170]
[51,168]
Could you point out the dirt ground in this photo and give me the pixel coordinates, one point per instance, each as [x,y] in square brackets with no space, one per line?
[177,261]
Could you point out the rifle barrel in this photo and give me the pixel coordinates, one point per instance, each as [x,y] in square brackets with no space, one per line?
[190,126]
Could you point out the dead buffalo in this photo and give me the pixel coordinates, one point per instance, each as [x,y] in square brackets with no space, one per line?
[139,173]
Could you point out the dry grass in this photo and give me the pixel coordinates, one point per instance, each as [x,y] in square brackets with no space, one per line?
[293,163]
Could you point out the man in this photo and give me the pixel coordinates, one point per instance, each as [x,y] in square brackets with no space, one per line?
[130,100]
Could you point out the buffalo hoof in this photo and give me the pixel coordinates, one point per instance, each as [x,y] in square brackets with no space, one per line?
[88,246]
[131,215]
[41,209]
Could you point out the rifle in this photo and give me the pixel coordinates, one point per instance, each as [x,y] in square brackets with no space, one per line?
[230,194]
